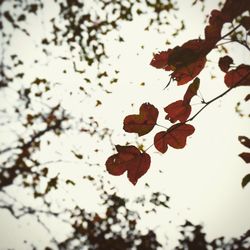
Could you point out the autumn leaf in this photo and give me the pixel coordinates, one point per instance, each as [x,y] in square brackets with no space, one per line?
[246,142]
[245,156]
[142,123]
[188,60]
[185,61]
[188,72]
[212,34]
[160,141]
[178,110]
[238,77]
[160,60]
[192,90]
[130,159]
[175,137]
[182,56]
[217,18]
[224,63]
[232,9]
[213,29]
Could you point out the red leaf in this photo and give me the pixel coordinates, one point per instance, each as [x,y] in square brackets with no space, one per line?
[244,141]
[217,18]
[160,142]
[238,77]
[181,109]
[185,61]
[141,167]
[212,34]
[245,156]
[234,8]
[224,63]
[213,30]
[175,137]
[142,123]
[192,90]
[160,60]
[130,159]
[186,73]
[178,110]
[184,55]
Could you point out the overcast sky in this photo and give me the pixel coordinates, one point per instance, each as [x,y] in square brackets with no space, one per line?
[203,180]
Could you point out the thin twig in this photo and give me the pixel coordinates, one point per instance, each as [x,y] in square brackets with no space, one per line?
[230,32]
[205,105]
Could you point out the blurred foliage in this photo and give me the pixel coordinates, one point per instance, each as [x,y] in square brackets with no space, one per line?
[194,238]
[33,118]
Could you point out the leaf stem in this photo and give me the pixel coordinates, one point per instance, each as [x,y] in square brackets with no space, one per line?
[161,126]
[207,103]
[217,97]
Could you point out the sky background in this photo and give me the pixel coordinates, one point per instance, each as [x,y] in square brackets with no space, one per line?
[203,180]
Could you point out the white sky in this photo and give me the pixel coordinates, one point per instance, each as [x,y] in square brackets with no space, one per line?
[203,179]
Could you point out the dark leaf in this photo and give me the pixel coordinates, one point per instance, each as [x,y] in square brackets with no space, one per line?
[70,182]
[78,156]
[245,22]
[232,9]
[245,180]
[247,98]
[245,156]
[186,73]
[224,63]
[244,141]
[212,34]
[98,103]
[185,61]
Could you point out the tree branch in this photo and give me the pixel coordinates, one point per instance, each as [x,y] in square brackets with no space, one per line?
[206,104]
